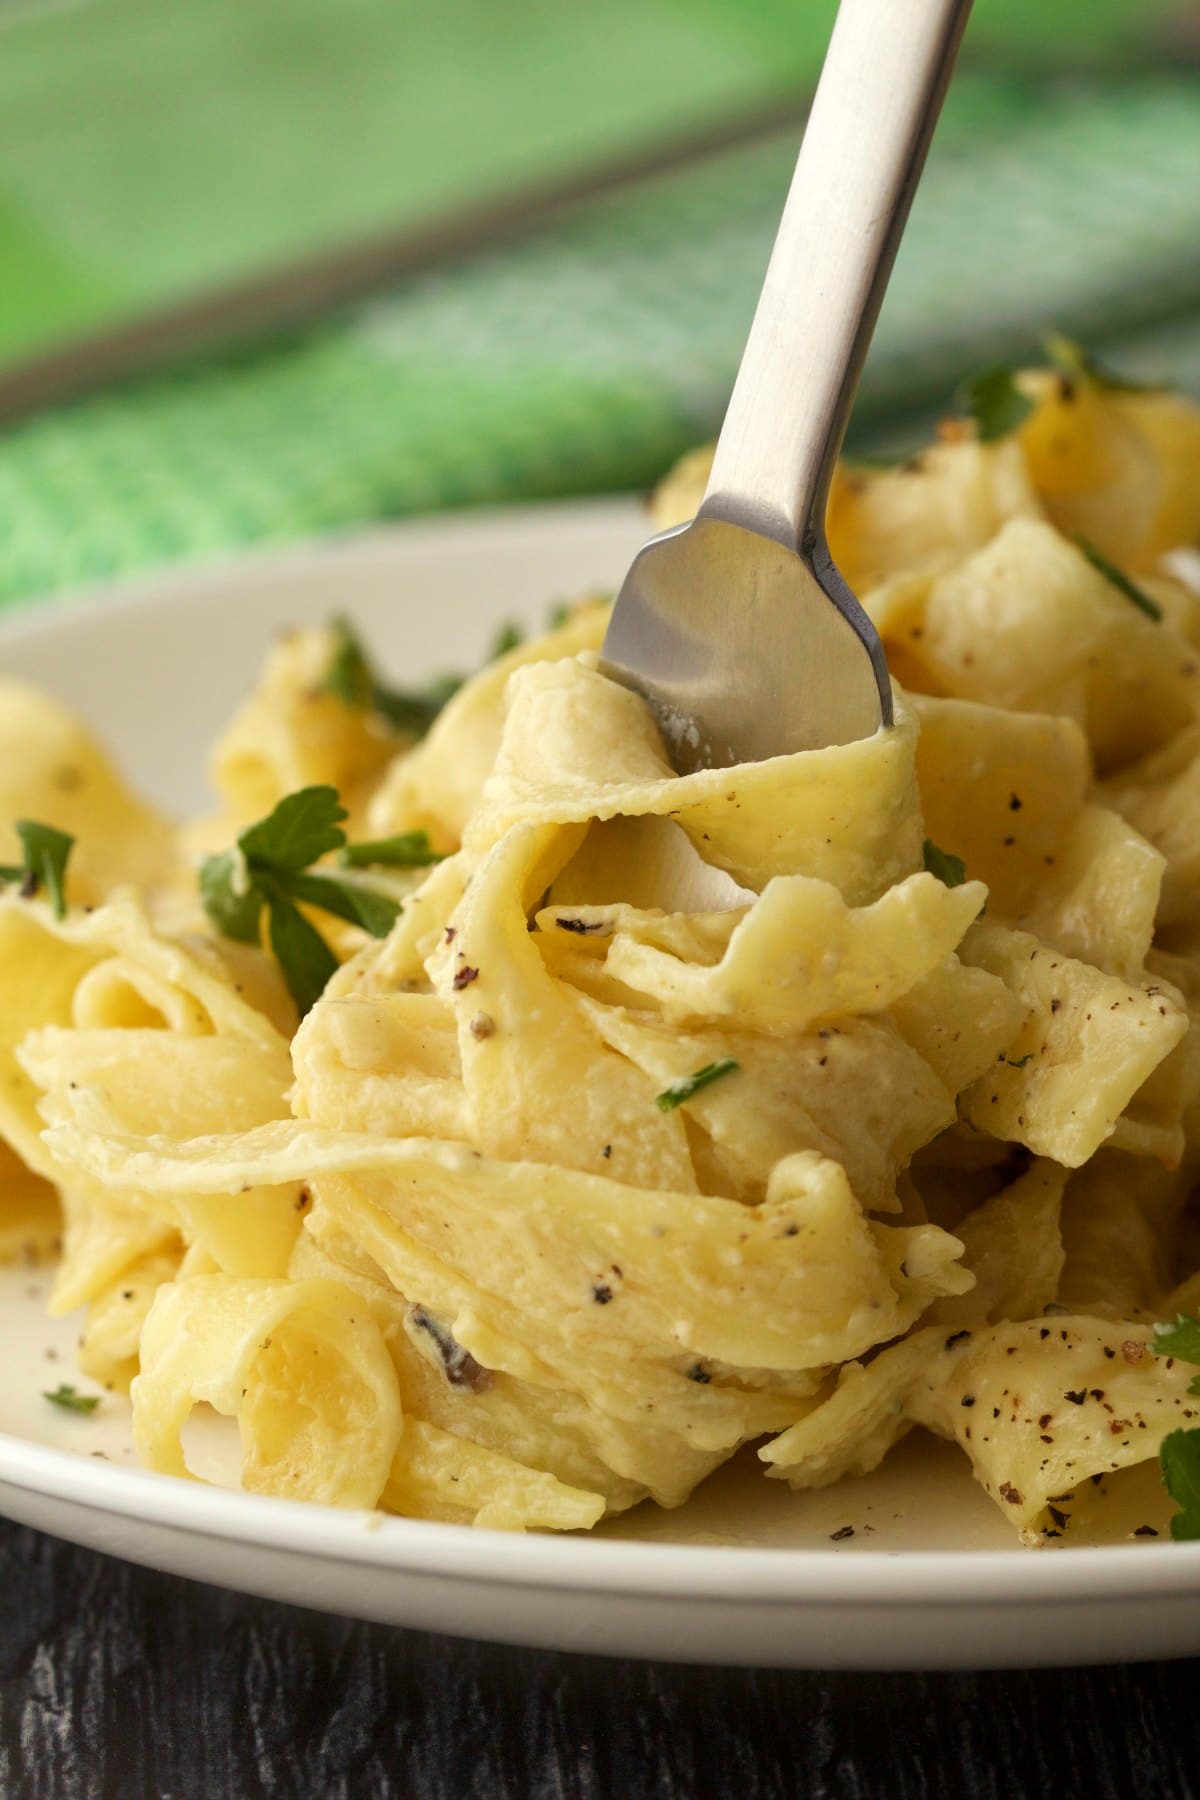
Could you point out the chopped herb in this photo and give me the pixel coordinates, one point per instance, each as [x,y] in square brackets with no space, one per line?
[358,904]
[307,962]
[45,854]
[71,1400]
[687,1085]
[268,871]
[1019,1062]
[558,615]
[1123,583]
[1179,1452]
[1072,359]
[995,402]
[509,637]
[349,676]
[951,870]
[1179,1460]
[302,828]
[407,850]
[1181,1339]
[352,678]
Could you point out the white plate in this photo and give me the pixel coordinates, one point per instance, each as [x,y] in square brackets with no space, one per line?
[747,1572]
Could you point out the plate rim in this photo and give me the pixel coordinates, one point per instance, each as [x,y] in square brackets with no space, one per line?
[641,1569]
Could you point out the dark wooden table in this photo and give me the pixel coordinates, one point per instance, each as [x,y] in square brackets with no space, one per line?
[115,1682]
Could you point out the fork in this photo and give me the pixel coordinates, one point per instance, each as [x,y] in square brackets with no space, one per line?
[737,628]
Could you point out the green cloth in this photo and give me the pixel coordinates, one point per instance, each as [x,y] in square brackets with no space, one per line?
[150,150]
[586,358]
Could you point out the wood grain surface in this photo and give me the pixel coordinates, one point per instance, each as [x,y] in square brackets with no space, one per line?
[117,1683]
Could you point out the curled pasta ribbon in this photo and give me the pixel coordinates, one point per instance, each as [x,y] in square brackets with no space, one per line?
[799,956]
[301,1365]
[102,1002]
[439,1475]
[801,1280]
[1040,1406]
[291,732]
[578,748]
[53,769]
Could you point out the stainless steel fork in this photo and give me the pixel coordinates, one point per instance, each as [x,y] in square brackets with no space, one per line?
[737,628]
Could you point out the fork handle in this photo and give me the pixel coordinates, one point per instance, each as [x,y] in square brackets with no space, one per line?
[886,72]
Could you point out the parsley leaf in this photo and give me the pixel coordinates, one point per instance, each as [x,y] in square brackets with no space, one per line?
[70,1399]
[1179,1452]
[1071,359]
[1123,583]
[269,870]
[415,712]
[303,827]
[995,402]
[407,850]
[951,870]
[509,637]
[349,676]
[349,900]
[1021,1061]
[1179,1459]
[1182,1339]
[1179,1338]
[353,679]
[687,1085]
[230,897]
[46,851]
[301,952]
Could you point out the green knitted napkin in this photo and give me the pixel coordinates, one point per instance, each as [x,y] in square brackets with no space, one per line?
[586,358]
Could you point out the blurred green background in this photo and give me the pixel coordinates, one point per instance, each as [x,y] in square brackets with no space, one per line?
[152,156]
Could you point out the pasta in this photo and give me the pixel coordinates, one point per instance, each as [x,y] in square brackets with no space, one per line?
[638,1118]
